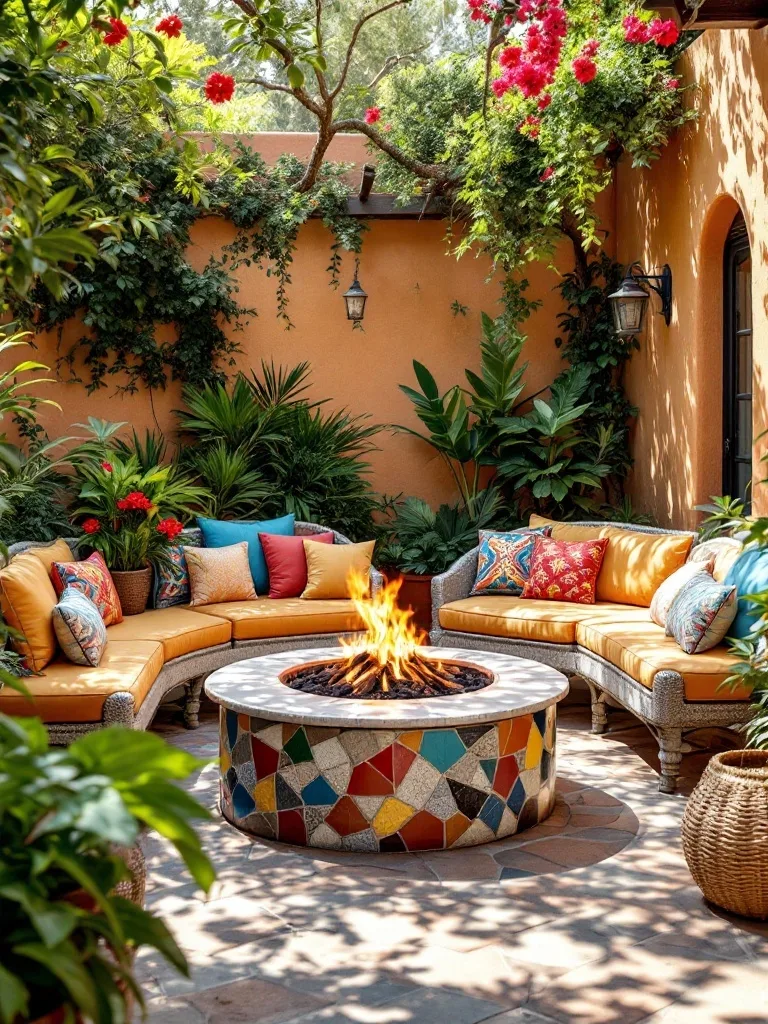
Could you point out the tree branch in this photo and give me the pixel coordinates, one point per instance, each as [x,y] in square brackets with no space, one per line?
[266,84]
[353,40]
[439,173]
[392,62]
[319,75]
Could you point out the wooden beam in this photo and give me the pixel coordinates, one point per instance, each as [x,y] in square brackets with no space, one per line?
[380,206]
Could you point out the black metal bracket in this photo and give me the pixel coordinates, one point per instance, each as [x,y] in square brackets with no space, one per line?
[659,283]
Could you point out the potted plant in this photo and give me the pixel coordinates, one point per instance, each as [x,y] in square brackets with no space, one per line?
[69,938]
[124,510]
[420,543]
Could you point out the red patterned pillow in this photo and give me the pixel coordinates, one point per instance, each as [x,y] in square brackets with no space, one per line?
[93,579]
[564,570]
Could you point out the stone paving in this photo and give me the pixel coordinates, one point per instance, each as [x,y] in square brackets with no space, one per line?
[590,917]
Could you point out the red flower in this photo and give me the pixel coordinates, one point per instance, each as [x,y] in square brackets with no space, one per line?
[170,527]
[530,126]
[584,69]
[590,48]
[135,501]
[672,83]
[107,467]
[219,87]
[664,33]
[387,127]
[61,45]
[171,26]
[510,57]
[555,22]
[544,102]
[635,30]
[547,174]
[119,32]
[529,78]
[372,115]
[91,525]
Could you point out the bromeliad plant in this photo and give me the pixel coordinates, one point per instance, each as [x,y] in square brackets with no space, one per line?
[68,941]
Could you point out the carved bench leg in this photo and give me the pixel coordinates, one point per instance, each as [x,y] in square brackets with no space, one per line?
[599,712]
[192,702]
[670,756]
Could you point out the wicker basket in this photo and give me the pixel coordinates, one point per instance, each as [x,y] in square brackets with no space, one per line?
[725,832]
[133,589]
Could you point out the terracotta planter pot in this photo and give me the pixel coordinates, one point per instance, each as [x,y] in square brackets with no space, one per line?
[133,589]
[725,832]
[415,593]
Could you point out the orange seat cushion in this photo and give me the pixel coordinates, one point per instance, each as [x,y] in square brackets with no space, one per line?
[68,693]
[268,617]
[641,649]
[180,630]
[518,618]
[27,599]
[635,564]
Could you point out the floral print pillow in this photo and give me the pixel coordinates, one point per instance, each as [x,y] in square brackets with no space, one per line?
[504,560]
[93,579]
[565,570]
[702,614]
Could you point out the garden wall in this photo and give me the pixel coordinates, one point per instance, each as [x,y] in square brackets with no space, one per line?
[679,212]
[411,282]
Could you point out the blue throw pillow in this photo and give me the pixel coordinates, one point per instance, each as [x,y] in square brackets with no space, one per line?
[749,574]
[79,628]
[220,534]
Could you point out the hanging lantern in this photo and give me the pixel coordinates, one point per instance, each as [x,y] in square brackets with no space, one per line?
[630,302]
[355,298]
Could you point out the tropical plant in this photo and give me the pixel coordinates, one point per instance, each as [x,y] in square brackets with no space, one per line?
[233,489]
[723,516]
[68,941]
[625,512]
[421,540]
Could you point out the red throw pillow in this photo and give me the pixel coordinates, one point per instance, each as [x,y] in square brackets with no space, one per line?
[92,578]
[564,570]
[287,563]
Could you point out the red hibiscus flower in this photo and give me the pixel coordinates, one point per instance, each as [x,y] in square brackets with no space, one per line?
[547,174]
[635,30]
[107,467]
[664,33]
[170,527]
[136,501]
[584,69]
[91,525]
[372,115]
[119,32]
[219,87]
[672,83]
[544,102]
[171,26]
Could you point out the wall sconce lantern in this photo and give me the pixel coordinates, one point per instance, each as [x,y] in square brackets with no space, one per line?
[630,301]
[355,298]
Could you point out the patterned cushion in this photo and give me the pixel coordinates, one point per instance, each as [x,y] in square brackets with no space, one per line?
[172,577]
[701,614]
[671,587]
[219,574]
[564,570]
[504,560]
[91,578]
[79,628]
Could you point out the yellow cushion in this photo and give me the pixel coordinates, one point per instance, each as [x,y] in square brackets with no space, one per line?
[641,649]
[635,564]
[219,574]
[76,693]
[27,599]
[553,622]
[292,616]
[329,567]
[179,630]
[59,551]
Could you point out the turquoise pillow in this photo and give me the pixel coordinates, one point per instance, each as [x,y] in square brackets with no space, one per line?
[749,574]
[220,534]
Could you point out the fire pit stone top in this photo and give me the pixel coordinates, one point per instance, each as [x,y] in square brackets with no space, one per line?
[253,687]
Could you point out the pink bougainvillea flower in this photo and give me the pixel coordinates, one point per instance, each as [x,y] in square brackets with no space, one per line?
[590,48]
[510,57]
[219,87]
[107,467]
[635,30]
[554,22]
[91,525]
[171,26]
[664,33]
[530,126]
[584,69]
[120,31]
[530,78]
[170,527]
[547,174]
[544,102]
[372,115]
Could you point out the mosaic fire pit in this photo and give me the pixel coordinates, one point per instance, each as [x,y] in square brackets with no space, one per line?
[346,773]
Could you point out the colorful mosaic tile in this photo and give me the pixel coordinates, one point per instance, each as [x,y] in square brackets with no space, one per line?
[370,790]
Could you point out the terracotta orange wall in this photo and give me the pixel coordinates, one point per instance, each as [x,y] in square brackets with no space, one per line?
[679,212]
[411,281]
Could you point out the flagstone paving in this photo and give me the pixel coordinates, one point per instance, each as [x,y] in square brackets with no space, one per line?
[590,917]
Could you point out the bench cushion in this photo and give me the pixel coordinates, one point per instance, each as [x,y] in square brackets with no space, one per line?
[179,630]
[76,693]
[27,600]
[641,649]
[515,617]
[266,617]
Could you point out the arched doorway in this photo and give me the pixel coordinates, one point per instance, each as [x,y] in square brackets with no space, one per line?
[737,363]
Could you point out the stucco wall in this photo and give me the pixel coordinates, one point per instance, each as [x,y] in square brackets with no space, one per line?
[679,212]
[411,281]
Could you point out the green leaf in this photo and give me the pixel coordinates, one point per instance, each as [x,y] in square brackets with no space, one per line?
[59,202]
[143,929]
[295,76]
[65,964]
[14,997]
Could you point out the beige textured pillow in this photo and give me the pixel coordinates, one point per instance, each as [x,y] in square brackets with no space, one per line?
[329,567]
[672,585]
[724,551]
[220,574]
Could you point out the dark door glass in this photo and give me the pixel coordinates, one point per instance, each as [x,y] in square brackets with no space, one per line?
[737,376]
